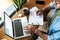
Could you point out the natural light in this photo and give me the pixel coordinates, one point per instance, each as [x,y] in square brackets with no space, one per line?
[4,4]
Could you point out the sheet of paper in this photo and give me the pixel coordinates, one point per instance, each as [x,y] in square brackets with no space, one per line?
[35,19]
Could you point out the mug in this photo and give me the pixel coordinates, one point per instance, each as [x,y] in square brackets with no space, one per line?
[26,11]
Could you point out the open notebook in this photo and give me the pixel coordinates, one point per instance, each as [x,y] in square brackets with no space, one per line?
[35,19]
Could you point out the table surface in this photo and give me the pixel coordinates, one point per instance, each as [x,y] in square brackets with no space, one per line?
[3,36]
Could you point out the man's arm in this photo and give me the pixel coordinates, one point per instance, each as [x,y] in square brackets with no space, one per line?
[45,11]
[49,6]
[46,7]
[41,34]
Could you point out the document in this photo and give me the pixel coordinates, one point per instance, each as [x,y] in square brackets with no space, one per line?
[35,19]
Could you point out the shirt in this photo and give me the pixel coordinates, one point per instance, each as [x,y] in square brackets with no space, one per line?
[54,29]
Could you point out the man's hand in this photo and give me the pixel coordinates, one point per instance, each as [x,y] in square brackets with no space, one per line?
[37,32]
[30,28]
[41,34]
[40,11]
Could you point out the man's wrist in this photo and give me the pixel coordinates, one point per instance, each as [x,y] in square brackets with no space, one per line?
[38,32]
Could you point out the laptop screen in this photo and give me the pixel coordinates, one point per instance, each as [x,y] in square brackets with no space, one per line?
[18,31]
[8,25]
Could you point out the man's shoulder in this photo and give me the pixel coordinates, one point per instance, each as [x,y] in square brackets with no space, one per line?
[56,23]
[56,19]
[58,11]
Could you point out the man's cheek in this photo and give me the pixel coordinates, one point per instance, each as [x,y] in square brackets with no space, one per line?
[58,6]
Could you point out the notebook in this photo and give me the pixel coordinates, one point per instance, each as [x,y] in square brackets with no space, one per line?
[35,19]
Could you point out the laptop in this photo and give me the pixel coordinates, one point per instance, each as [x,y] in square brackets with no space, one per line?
[14,27]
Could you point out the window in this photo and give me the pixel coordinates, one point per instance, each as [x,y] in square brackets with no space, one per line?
[3,5]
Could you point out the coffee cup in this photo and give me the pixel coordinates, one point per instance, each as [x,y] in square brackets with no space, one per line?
[25,11]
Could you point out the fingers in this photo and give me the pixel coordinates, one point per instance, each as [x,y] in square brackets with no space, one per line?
[30,28]
[25,28]
[39,12]
[37,32]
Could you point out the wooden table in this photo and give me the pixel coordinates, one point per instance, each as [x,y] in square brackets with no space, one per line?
[29,5]
[3,36]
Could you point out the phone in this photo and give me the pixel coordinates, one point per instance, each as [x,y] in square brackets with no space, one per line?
[40,2]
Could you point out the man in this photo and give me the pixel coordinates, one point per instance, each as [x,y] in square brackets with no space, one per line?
[54,27]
